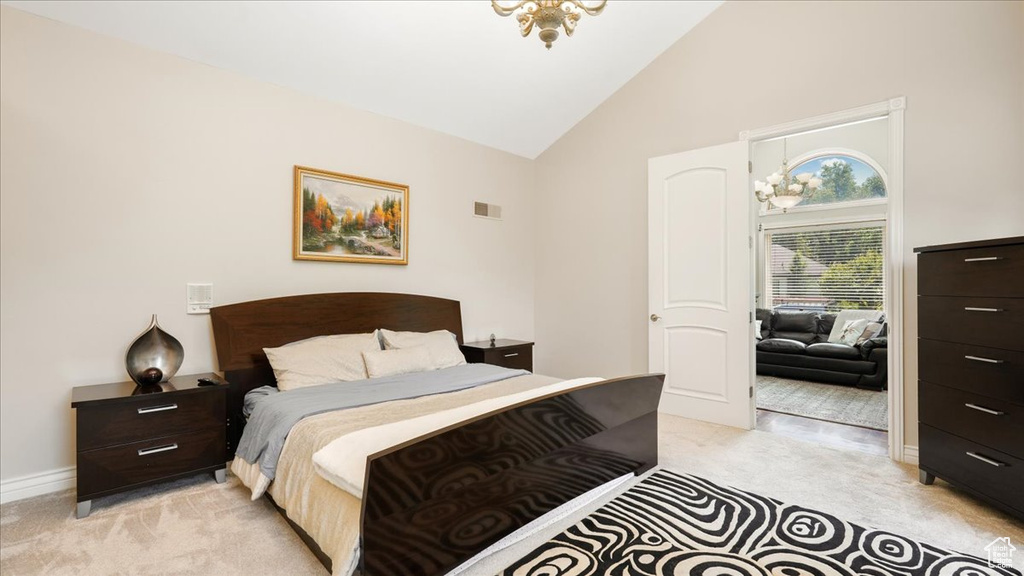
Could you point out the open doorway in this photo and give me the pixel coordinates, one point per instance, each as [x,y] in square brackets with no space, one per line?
[821,349]
[823,321]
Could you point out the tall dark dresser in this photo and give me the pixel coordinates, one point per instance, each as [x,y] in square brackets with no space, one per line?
[970,320]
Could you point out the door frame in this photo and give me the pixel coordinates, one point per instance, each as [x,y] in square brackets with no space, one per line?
[894,109]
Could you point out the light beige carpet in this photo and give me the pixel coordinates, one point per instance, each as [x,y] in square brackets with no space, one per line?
[195,526]
[832,402]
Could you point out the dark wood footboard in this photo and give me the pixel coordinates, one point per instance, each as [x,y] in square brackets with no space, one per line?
[434,502]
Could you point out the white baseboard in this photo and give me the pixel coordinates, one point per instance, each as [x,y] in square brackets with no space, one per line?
[37,484]
[910,455]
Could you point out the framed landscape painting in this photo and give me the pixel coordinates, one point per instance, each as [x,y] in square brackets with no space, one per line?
[344,218]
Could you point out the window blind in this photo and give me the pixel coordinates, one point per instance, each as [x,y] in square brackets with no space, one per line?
[827,269]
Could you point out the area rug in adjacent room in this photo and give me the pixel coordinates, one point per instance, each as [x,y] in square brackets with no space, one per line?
[831,402]
[682,525]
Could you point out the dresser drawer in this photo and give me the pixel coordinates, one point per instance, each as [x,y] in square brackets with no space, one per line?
[990,322]
[993,272]
[990,472]
[986,371]
[108,469]
[519,357]
[994,423]
[149,417]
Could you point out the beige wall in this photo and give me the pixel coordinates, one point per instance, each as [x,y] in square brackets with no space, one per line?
[125,173]
[128,173]
[960,65]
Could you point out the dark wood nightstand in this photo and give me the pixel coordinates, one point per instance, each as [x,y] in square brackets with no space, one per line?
[130,436]
[507,353]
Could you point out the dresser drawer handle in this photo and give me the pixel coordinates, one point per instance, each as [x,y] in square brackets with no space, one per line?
[158,409]
[984,259]
[986,360]
[975,309]
[511,355]
[148,451]
[986,460]
[983,409]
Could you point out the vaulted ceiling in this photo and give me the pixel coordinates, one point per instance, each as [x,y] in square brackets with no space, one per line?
[456,67]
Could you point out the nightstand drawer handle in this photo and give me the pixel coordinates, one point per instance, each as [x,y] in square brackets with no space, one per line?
[986,460]
[987,360]
[512,354]
[976,309]
[158,409]
[983,409]
[985,259]
[148,451]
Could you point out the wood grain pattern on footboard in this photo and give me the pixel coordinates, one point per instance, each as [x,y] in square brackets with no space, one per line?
[434,502]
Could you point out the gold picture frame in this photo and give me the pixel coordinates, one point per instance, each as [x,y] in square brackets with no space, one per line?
[344,218]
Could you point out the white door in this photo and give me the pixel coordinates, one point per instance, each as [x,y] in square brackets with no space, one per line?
[700,298]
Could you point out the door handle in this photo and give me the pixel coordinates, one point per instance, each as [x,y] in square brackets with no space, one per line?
[655,317]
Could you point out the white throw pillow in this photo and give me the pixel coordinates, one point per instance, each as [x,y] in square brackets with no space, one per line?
[852,330]
[321,360]
[441,344]
[870,331]
[845,316]
[757,329]
[380,363]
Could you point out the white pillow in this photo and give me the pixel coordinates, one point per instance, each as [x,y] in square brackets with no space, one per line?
[440,344]
[321,360]
[852,330]
[380,363]
[845,316]
[757,329]
[870,331]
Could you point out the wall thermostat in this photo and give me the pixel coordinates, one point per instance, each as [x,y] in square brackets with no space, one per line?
[199,298]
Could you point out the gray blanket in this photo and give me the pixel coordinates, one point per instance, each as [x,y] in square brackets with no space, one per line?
[274,414]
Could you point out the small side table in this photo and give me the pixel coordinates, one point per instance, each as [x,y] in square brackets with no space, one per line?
[507,353]
[130,436]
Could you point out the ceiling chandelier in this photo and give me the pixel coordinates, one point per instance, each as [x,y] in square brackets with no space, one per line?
[784,191]
[548,15]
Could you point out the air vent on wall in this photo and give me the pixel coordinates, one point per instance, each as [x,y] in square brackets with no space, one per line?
[483,210]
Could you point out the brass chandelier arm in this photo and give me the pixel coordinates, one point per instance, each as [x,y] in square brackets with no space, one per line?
[525,24]
[569,23]
[503,11]
[593,11]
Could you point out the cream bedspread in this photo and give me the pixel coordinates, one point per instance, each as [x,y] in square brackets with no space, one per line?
[343,461]
[327,513]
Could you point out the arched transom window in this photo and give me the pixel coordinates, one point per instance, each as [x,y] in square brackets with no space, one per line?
[843,179]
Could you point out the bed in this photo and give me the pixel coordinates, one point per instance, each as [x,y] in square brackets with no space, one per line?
[433,501]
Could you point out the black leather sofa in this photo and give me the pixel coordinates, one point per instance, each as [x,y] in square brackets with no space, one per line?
[794,344]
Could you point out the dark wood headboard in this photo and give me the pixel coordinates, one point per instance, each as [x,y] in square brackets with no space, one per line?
[241,331]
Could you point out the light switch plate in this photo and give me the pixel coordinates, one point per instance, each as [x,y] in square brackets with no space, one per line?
[198,298]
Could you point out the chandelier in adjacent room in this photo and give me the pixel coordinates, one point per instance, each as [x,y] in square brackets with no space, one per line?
[785,191]
[548,15]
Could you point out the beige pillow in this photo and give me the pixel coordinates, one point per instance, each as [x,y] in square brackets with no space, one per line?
[870,331]
[852,329]
[321,360]
[380,363]
[845,316]
[440,344]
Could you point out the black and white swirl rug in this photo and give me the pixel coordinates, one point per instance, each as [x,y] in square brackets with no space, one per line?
[682,525]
